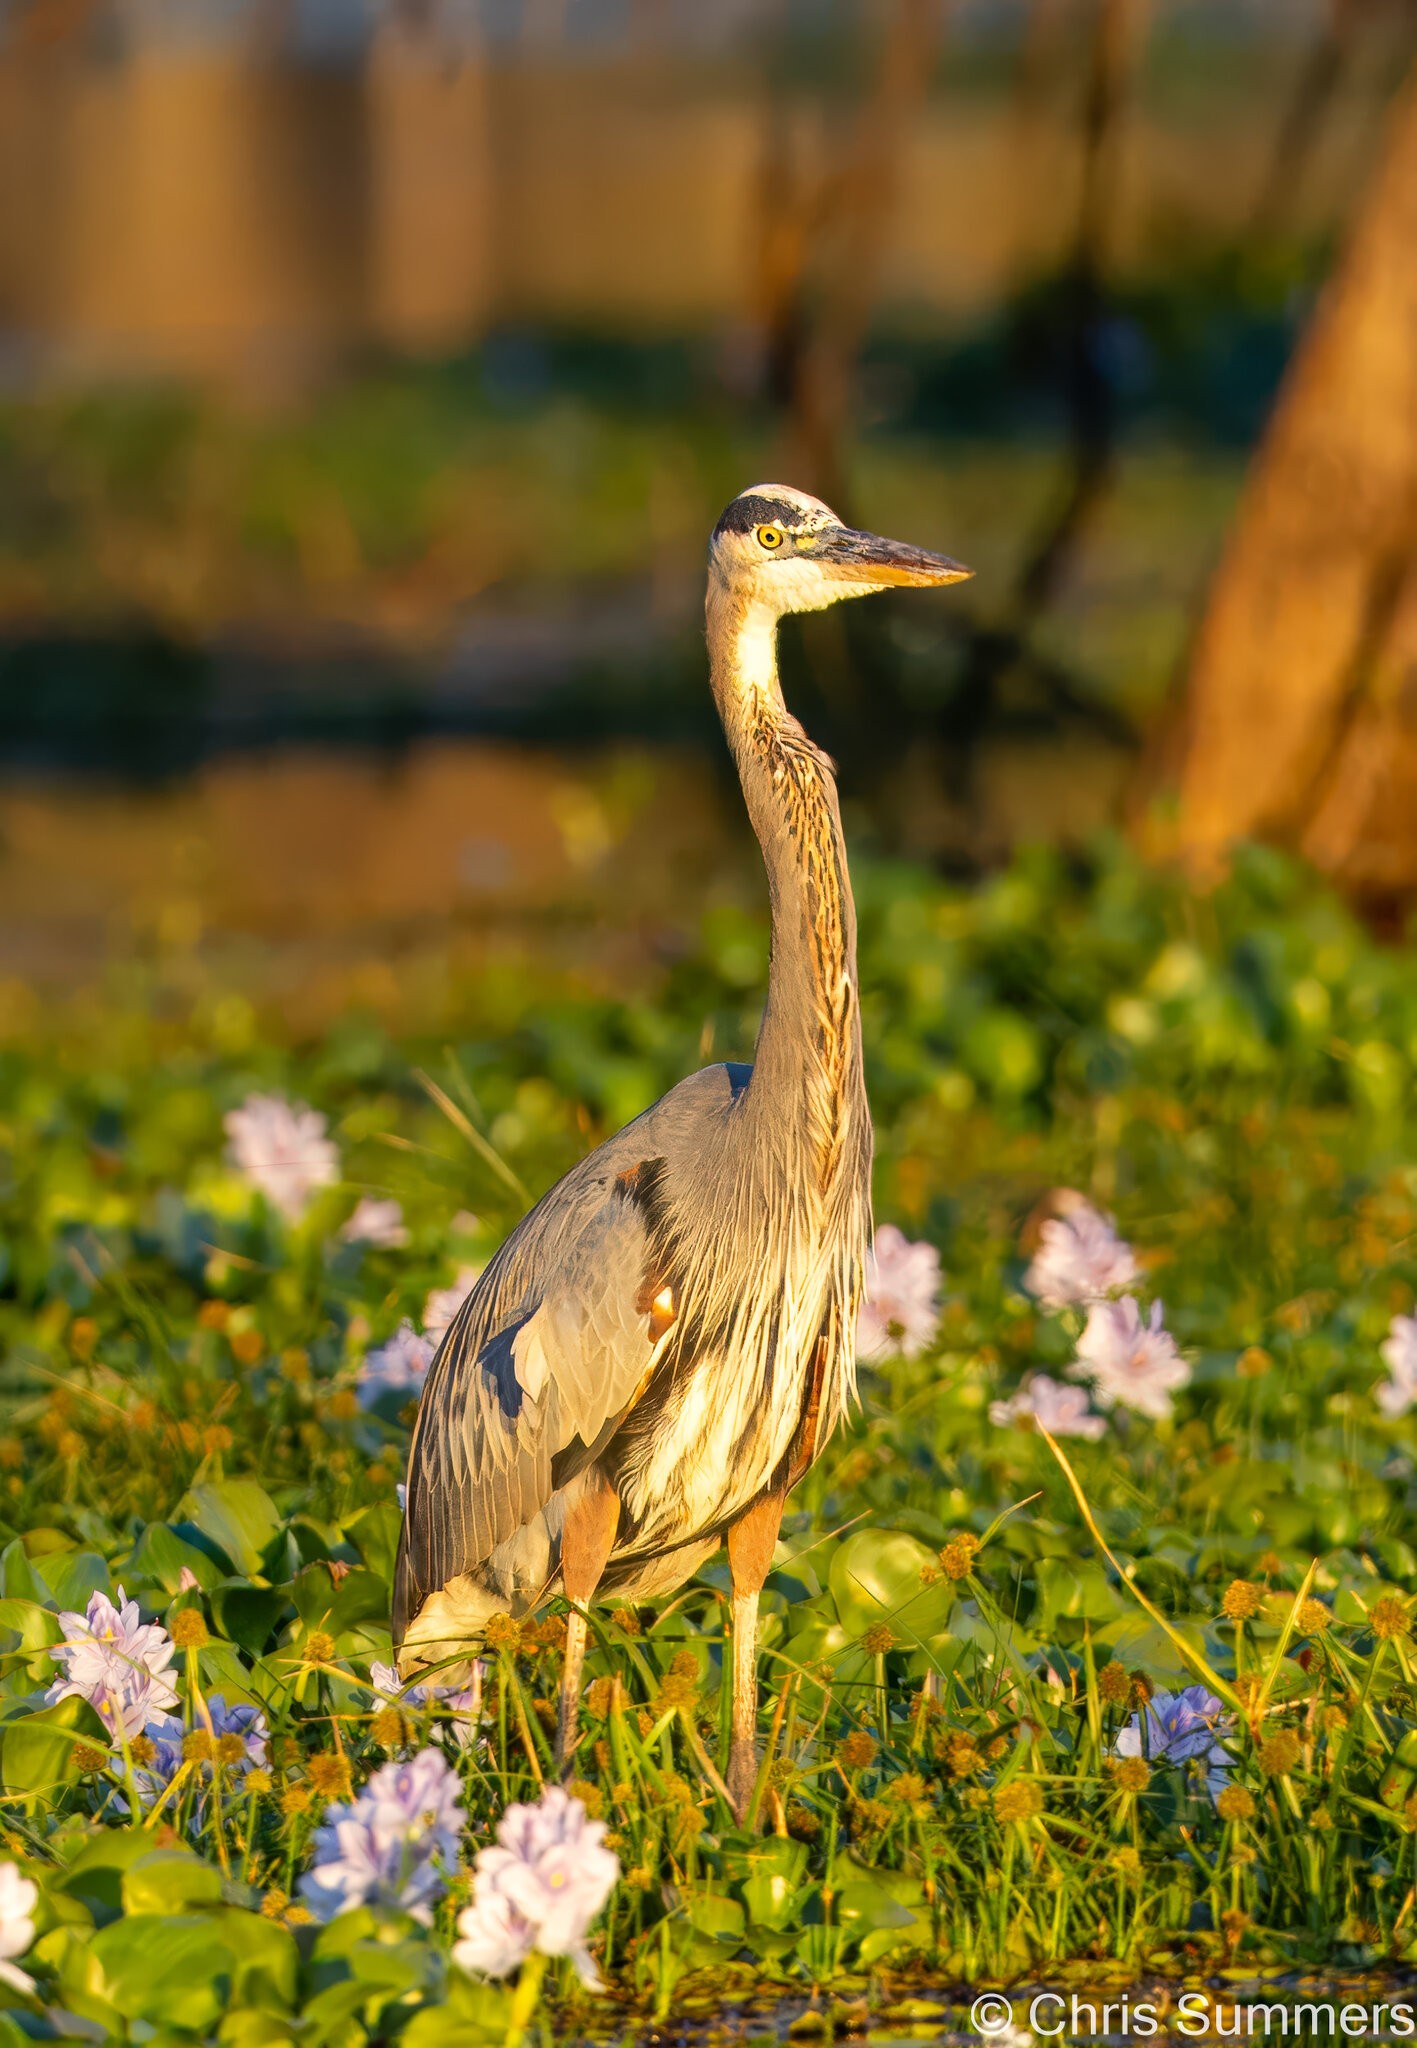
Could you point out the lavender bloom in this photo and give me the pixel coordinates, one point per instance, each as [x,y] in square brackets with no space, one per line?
[239,1737]
[462,1705]
[1181,1728]
[376,1223]
[1047,1404]
[1080,1257]
[398,1367]
[18,1897]
[282,1149]
[539,1888]
[444,1302]
[389,1847]
[115,1661]
[900,1307]
[1128,1361]
[1399,1353]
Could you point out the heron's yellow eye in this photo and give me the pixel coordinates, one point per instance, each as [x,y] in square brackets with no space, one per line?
[769,536]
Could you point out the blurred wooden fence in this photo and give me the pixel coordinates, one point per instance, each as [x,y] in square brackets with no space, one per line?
[227,208]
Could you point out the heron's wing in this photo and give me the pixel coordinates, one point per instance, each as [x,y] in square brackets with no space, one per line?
[549,1348]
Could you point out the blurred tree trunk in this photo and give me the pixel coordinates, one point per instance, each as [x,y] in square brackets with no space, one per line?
[1299,717]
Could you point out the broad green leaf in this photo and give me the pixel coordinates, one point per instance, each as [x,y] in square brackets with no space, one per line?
[323,1602]
[72,1576]
[18,1578]
[184,1970]
[721,1919]
[875,1577]
[862,1908]
[238,1516]
[249,1615]
[170,1881]
[27,1632]
[160,1555]
[37,1749]
[375,1535]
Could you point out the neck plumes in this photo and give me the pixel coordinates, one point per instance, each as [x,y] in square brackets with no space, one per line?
[809,1046]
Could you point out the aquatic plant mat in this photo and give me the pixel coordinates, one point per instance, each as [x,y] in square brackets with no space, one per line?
[1132,1697]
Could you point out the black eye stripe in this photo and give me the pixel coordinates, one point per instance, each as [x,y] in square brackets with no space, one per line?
[745,514]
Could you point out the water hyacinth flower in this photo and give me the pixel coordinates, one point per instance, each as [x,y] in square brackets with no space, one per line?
[1131,1363]
[1397,1393]
[1080,1257]
[240,1742]
[900,1305]
[538,1887]
[376,1223]
[282,1149]
[1181,1728]
[444,1302]
[391,1846]
[462,1704]
[18,1898]
[117,1662]
[398,1367]
[1048,1404]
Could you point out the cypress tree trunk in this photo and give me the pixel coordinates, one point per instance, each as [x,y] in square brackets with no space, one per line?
[1299,718]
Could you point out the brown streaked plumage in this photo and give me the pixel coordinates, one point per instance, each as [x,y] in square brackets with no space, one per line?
[663,1345]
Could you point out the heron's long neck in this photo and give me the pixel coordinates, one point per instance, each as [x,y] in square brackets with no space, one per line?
[808,1062]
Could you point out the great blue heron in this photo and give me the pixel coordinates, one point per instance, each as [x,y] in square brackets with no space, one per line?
[664,1343]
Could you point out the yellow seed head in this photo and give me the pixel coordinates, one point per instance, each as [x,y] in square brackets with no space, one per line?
[329,1774]
[1242,1599]
[189,1629]
[502,1633]
[1389,1618]
[1020,1801]
[389,1728]
[1235,1803]
[1113,1685]
[858,1751]
[1279,1755]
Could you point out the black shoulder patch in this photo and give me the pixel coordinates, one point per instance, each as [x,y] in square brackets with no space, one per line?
[747,512]
[739,1075]
[496,1361]
[643,1185]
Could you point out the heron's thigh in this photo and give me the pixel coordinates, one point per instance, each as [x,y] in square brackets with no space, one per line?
[752,1540]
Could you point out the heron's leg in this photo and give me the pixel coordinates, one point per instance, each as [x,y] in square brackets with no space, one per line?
[751,1542]
[587,1539]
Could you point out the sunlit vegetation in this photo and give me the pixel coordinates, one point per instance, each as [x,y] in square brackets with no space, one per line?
[976,1759]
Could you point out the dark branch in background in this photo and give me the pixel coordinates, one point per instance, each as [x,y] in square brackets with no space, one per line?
[856,212]
[1300,131]
[1118,29]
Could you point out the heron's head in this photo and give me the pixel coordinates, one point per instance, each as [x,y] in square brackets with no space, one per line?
[787,552]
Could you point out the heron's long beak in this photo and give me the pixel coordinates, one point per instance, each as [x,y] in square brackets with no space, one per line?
[866,557]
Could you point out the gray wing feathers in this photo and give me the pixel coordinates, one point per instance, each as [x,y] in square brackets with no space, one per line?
[548,1348]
